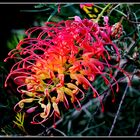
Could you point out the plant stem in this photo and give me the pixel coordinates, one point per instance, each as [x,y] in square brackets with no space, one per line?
[115,119]
[101,14]
[118,111]
[137,129]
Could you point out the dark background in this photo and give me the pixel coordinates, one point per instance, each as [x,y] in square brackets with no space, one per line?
[11,17]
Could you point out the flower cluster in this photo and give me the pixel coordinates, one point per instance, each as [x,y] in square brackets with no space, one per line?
[58,62]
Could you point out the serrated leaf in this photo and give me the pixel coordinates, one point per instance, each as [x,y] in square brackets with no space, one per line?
[17,123]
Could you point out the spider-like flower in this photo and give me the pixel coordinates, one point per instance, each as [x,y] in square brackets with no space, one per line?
[58,62]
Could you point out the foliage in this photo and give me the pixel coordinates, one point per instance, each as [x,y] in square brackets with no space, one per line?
[120,118]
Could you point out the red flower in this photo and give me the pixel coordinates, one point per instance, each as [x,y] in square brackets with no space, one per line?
[86,4]
[53,64]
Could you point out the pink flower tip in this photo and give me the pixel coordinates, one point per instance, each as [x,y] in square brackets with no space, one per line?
[88,5]
[106,19]
[77,18]
[32,109]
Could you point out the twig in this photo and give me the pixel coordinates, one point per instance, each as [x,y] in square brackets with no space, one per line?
[126,16]
[101,14]
[116,116]
[98,7]
[60,131]
[92,127]
[113,9]
[137,129]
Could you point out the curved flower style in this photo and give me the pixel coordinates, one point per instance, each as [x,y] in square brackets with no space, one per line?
[58,62]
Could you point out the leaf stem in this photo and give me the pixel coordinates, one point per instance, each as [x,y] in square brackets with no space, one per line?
[101,14]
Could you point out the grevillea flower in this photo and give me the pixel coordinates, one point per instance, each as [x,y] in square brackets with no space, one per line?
[90,10]
[86,5]
[58,62]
